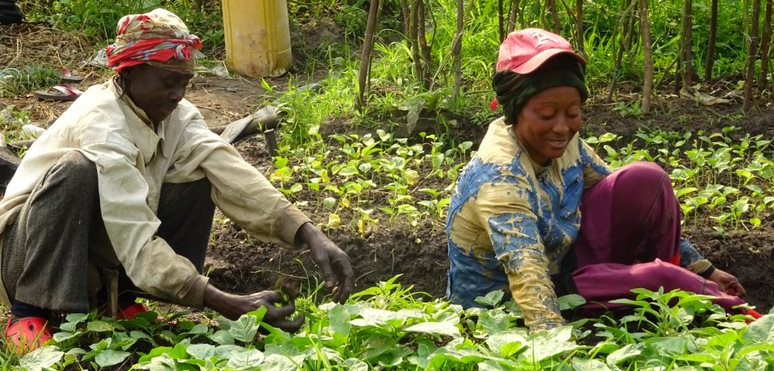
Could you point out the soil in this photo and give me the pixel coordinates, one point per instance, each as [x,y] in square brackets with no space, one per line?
[238,262]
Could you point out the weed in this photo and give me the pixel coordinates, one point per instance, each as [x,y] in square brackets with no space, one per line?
[18,82]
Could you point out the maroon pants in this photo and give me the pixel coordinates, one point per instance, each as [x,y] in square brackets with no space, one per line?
[629,236]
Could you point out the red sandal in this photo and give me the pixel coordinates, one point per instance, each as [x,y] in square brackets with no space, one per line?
[755,315]
[26,334]
[131,311]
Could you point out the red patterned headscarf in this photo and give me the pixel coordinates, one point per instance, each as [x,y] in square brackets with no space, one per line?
[159,38]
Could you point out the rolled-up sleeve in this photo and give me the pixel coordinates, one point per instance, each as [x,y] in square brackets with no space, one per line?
[241,192]
[250,200]
[504,210]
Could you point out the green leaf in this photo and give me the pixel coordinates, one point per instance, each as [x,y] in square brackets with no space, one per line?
[155,352]
[372,317]
[64,336]
[199,329]
[506,344]
[110,357]
[225,351]
[449,353]
[244,329]
[338,318]
[762,330]
[491,300]
[495,320]
[99,326]
[620,355]
[72,321]
[295,188]
[222,337]
[415,107]
[354,364]
[668,345]
[571,301]
[498,365]
[329,203]
[140,335]
[607,137]
[547,344]
[449,329]
[276,362]
[41,358]
[161,363]
[579,364]
[412,176]
[697,358]
[201,351]
[245,358]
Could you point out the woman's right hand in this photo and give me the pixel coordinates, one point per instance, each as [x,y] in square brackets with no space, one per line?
[233,306]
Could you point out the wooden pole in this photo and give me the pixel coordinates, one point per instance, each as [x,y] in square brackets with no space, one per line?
[713,35]
[457,49]
[512,16]
[425,49]
[765,49]
[557,29]
[579,32]
[622,45]
[752,53]
[404,7]
[647,87]
[365,59]
[686,68]
[413,41]
[501,20]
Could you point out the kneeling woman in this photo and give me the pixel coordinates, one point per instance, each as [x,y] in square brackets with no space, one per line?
[515,218]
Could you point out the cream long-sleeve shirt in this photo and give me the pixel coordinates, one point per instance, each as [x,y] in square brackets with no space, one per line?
[133,162]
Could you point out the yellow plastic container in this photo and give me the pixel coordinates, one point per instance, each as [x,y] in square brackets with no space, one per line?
[257,37]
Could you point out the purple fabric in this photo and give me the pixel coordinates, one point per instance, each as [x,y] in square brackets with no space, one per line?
[629,236]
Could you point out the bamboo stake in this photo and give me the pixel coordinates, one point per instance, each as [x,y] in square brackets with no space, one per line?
[765,49]
[413,42]
[512,16]
[555,16]
[365,59]
[647,87]
[752,52]
[624,22]
[710,61]
[425,49]
[457,49]
[404,7]
[686,67]
[579,32]
[500,20]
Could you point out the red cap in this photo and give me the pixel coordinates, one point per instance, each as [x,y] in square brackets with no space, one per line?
[526,50]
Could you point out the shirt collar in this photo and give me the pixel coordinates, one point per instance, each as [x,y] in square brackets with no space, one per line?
[139,125]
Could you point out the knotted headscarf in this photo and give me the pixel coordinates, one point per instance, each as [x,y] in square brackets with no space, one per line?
[514,90]
[159,38]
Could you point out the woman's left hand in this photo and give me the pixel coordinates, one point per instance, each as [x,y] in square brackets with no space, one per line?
[333,261]
[727,282]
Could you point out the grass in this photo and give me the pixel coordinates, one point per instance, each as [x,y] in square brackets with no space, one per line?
[15,82]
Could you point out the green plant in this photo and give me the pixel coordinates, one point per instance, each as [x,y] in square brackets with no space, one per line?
[15,82]
[391,326]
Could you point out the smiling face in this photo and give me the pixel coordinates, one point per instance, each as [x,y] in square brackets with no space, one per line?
[155,90]
[548,121]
